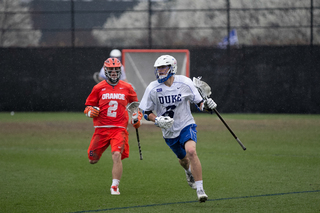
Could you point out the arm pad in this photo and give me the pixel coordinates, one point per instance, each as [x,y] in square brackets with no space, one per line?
[146,115]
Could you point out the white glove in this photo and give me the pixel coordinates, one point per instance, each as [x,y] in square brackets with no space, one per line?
[164,122]
[209,104]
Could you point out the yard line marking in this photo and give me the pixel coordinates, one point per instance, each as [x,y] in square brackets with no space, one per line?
[218,199]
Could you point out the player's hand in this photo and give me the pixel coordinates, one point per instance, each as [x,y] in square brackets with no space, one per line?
[209,104]
[91,112]
[164,122]
[135,121]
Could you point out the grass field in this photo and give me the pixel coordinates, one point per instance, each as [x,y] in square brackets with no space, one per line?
[44,166]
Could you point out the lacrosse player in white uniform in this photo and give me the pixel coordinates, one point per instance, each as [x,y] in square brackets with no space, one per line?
[166,102]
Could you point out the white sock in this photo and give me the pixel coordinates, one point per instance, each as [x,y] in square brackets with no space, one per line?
[189,170]
[115,182]
[199,185]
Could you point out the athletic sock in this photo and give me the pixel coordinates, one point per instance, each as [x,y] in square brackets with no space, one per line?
[115,182]
[199,185]
[189,170]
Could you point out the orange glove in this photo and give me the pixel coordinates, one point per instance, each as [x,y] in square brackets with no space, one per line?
[92,112]
[136,121]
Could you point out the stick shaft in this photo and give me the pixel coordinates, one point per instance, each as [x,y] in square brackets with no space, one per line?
[205,97]
[234,135]
[137,133]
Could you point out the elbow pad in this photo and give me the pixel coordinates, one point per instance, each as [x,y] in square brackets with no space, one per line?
[146,115]
[199,107]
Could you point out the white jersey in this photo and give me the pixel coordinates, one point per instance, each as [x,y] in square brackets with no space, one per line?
[102,73]
[172,101]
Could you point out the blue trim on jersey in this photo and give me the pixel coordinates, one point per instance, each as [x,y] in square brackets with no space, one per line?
[177,144]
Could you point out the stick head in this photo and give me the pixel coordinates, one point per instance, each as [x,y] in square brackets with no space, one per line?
[132,108]
[203,88]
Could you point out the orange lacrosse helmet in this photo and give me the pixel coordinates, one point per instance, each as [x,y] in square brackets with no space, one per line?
[112,69]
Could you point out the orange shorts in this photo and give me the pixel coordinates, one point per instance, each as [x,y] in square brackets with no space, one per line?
[103,137]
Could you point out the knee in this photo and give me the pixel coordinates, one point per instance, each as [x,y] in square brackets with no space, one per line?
[116,156]
[93,161]
[191,152]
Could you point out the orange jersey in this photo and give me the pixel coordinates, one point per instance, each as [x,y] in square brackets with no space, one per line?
[112,101]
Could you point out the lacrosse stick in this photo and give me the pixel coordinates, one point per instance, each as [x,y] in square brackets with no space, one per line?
[134,108]
[96,77]
[205,92]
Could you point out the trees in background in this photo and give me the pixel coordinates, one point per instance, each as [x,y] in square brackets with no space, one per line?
[174,23]
[16,27]
[162,23]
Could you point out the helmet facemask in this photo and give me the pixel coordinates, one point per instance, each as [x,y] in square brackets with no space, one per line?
[113,74]
[163,73]
[165,67]
[112,69]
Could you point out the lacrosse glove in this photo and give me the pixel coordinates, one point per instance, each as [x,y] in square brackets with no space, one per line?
[91,112]
[135,121]
[209,104]
[164,122]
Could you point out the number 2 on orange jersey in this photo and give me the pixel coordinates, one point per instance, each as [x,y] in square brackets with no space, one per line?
[113,106]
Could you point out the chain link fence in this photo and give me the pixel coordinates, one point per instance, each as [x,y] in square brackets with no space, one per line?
[155,23]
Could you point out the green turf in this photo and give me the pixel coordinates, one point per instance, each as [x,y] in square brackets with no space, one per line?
[44,166]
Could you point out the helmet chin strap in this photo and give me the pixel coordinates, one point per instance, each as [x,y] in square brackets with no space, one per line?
[113,81]
[169,74]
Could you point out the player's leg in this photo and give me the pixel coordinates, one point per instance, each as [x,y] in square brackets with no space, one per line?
[180,152]
[188,138]
[98,144]
[119,150]
[196,169]
[117,170]
[185,163]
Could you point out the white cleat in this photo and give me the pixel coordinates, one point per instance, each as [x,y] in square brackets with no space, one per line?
[114,190]
[202,197]
[190,180]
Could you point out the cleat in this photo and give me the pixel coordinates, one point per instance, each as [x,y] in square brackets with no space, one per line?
[202,197]
[114,190]
[190,180]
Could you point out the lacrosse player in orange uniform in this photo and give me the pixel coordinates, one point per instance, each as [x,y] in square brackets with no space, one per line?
[106,104]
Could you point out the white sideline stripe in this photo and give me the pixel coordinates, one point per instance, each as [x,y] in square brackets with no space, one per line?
[137,71]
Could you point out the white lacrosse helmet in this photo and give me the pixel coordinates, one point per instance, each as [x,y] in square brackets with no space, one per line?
[115,53]
[165,60]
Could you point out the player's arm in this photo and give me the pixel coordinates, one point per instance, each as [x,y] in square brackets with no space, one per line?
[91,109]
[164,122]
[149,116]
[207,104]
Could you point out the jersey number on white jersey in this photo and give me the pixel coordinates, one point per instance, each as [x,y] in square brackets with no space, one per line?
[170,111]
